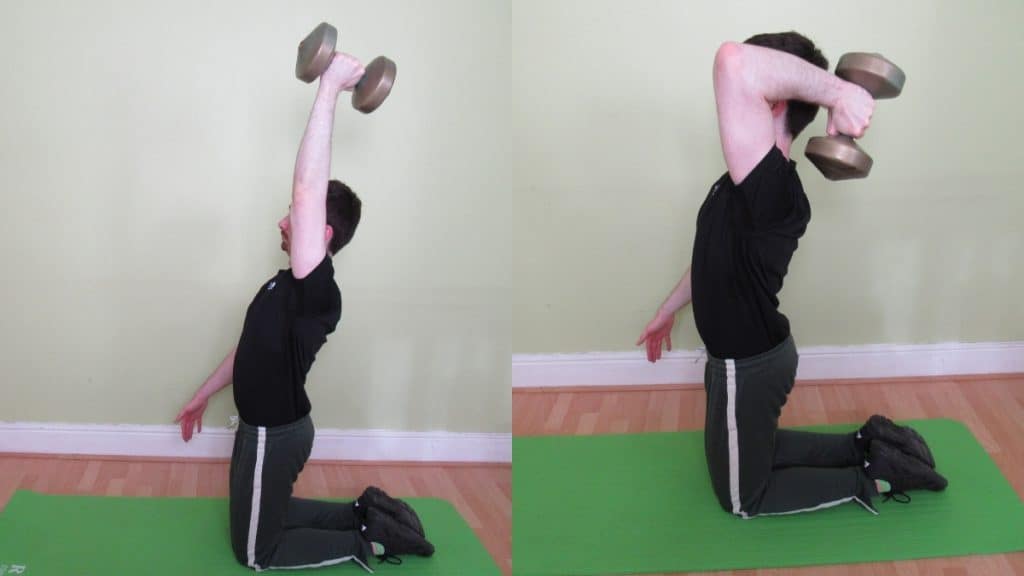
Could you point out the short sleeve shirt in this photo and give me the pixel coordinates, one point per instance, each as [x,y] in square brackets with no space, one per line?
[746,235]
[285,326]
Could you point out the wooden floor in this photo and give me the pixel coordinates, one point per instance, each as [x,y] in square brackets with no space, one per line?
[481,493]
[993,408]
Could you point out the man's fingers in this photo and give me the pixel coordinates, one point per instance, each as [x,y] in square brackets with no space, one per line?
[654,339]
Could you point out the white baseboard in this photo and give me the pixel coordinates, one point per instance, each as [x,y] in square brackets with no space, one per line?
[816,363]
[330,444]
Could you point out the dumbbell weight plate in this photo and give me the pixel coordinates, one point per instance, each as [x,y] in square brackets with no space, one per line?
[838,157]
[315,52]
[375,85]
[873,72]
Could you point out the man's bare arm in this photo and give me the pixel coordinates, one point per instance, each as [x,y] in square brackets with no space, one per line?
[749,79]
[658,331]
[308,215]
[191,416]
[679,297]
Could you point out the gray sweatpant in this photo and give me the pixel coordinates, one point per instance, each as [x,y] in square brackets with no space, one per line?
[269,527]
[757,469]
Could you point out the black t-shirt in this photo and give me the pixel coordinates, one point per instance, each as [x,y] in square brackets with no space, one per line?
[286,324]
[746,235]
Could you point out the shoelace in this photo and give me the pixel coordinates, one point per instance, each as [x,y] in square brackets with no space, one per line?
[901,497]
[389,559]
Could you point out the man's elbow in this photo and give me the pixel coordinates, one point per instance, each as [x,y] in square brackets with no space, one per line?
[729,61]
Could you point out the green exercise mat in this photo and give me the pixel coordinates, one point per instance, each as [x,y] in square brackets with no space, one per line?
[115,536]
[634,503]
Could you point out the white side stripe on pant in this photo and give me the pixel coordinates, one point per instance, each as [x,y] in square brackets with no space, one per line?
[734,446]
[821,506]
[333,562]
[257,485]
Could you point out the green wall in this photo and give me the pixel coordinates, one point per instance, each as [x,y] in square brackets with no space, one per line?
[531,186]
[617,110]
[146,156]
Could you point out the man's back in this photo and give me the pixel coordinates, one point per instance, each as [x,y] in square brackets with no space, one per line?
[285,326]
[746,236]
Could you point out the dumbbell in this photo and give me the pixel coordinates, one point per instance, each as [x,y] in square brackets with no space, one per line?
[315,54]
[839,157]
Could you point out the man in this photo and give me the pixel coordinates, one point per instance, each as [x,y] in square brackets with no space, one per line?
[285,326]
[767,91]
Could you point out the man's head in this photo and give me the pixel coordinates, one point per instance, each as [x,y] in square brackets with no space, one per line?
[798,114]
[343,212]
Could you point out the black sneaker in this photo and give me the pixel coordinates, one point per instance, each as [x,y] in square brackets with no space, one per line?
[374,497]
[394,536]
[907,439]
[902,471]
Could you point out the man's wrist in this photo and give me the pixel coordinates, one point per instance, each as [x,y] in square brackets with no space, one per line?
[209,388]
[834,91]
[325,90]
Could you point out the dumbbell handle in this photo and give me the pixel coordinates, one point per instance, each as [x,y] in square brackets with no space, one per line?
[839,157]
[358,82]
[374,85]
[316,52]
[872,72]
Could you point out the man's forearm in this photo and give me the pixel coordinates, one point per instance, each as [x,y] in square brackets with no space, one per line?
[313,164]
[778,75]
[220,378]
[679,297]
